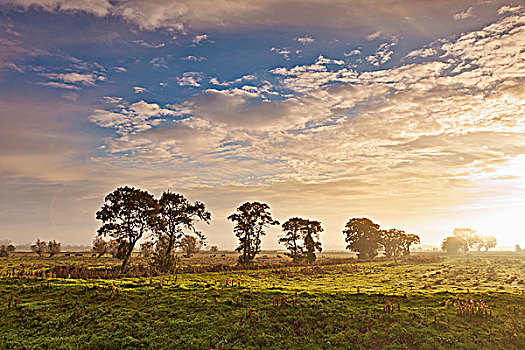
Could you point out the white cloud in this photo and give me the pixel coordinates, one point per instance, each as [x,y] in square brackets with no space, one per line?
[75,78]
[464,15]
[383,54]
[415,124]
[285,52]
[353,52]
[305,40]
[506,9]
[193,58]
[200,38]
[424,52]
[190,79]
[59,85]
[136,117]
[146,44]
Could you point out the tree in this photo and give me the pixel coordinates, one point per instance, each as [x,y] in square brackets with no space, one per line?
[113,248]
[146,249]
[214,249]
[454,245]
[190,245]
[311,239]
[407,240]
[392,242]
[127,214]
[10,248]
[293,229]
[100,246]
[477,242]
[39,247]
[307,231]
[53,247]
[166,263]
[468,235]
[176,214]
[489,242]
[363,237]
[250,221]
[518,248]
[3,252]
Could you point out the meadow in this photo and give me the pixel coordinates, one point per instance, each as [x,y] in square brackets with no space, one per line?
[425,301]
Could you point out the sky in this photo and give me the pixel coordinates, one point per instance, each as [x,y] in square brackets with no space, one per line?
[410,113]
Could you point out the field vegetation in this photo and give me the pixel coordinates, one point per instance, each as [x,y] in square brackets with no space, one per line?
[423,301]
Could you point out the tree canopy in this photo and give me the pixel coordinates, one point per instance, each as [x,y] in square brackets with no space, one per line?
[127,215]
[176,214]
[250,221]
[363,236]
[301,238]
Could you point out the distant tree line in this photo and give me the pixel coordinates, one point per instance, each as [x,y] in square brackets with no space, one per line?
[130,215]
[165,225]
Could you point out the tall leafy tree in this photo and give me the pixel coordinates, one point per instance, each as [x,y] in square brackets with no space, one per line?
[397,242]
[250,221]
[363,236]
[293,228]
[468,236]
[127,215]
[53,247]
[190,245]
[489,242]
[311,239]
[407,240]
[100,246]
[176,215]
[301,238]
[392,242]
[454,245]
[39,247]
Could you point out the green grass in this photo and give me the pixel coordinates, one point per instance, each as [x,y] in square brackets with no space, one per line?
[375,305]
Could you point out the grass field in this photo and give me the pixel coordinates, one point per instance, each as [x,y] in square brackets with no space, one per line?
[474,301]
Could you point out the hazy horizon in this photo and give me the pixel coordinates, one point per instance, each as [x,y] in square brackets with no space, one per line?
[411,114]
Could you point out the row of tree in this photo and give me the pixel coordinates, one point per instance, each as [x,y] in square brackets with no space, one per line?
[465,239]
[129,215]
[41,247]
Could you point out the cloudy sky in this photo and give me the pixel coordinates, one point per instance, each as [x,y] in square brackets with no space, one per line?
[411,113]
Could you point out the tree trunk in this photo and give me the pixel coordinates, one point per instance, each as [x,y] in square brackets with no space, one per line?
[123,267]
[126,259]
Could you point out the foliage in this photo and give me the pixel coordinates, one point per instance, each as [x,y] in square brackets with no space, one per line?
[250,221]
[113,248]
[468,236]
[176,214]
[53,247]
[39,247]
[518,248]
[214,249]
[489,242]
[454,245]
[407,240]
[10,248]
[363,237]
[3,252]
[100,246]
[146,249]
[190,245]
[301,239]
[392,242]
[127,214]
